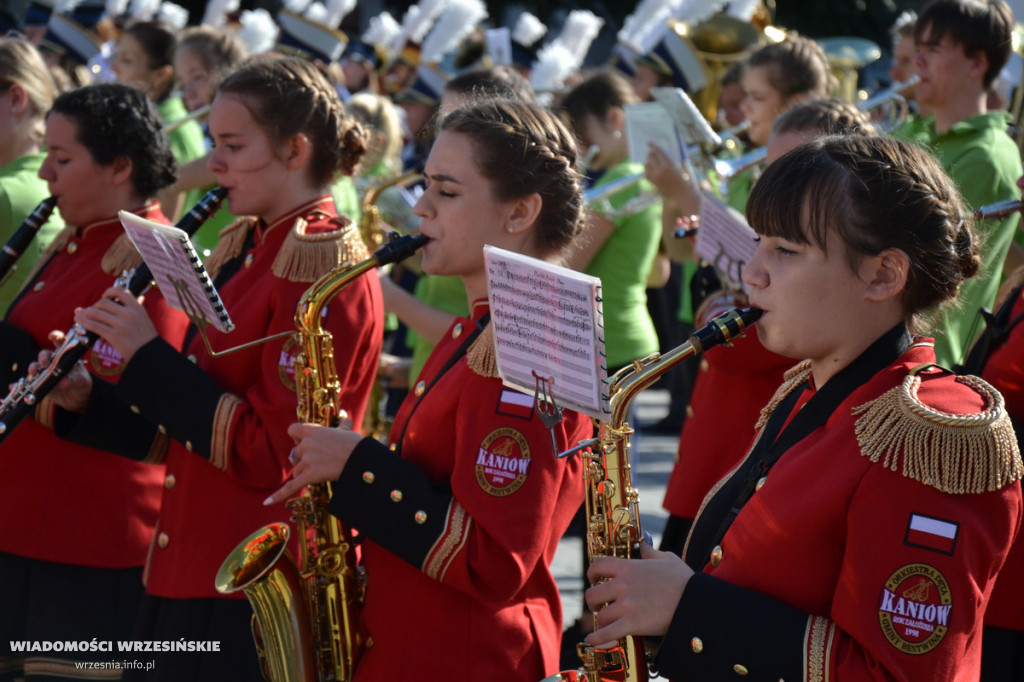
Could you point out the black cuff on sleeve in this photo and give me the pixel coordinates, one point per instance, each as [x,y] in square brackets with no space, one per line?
[365,498]
[19,350]
[107,424]
[172,391]
[718,626]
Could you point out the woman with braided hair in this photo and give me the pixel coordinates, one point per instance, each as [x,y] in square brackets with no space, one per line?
[462,515]
[281,135]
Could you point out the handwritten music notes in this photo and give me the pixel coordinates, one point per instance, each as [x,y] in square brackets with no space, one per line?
[547,322]
[178,272]
[724,240]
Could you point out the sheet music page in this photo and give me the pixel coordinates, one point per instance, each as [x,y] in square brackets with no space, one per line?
[547,319]
[649,122]
[725,240]
[689,121]
[176,267]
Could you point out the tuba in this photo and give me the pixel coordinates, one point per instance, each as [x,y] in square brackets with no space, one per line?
[613,516]
[306,611]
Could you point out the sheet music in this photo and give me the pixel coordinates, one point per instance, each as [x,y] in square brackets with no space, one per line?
[177,269]
[650,123]
[547,319]
[724,240]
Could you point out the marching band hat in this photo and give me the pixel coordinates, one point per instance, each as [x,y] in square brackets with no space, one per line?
[67,37]
[371,55]
[426,89]
[308,39]
[38,13]
[675,56]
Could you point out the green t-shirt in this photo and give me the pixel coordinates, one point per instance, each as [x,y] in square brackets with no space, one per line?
[186,140]
[985,163]
[21,190]
[346,198]
[445,293]
[623,264]
[916,129]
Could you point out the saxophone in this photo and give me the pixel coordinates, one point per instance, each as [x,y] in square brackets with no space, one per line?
[305,619]
[613,515]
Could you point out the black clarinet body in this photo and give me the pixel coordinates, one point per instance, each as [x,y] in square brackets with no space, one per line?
[23,236]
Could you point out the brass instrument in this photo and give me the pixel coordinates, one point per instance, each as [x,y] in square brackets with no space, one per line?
[599,198]
[193,115]
[847,56]
[370,223]
[999,209]
[305,619]
[613,517]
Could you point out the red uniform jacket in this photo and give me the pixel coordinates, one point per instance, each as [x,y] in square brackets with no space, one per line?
[228,416]
[462,528]
[734,383]
[844,568]
[1005,371]
[61,501]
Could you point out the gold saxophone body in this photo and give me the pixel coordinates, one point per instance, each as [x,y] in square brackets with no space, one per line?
[371,225]
[306,612]
[613,515]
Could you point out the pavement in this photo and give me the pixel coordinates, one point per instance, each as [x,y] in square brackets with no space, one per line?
[651,467]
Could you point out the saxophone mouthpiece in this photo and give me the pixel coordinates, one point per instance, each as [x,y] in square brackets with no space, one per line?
[750,315]
[399,248]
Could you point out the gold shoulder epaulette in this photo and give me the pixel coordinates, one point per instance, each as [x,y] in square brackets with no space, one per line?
[481,357]
[121,256]
[793,377]
[306,257]
[1014,280]
[230,242]
[955,453]
[59,241]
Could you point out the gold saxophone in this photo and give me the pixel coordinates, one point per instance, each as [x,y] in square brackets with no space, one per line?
[613,515]
[306,612]
[370,224]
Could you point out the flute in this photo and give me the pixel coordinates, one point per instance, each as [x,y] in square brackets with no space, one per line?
[29,391]
[999,209]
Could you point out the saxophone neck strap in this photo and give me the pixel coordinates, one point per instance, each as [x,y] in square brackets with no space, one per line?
[481,324]
[781,433]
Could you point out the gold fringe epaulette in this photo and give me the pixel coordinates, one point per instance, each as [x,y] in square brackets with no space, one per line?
[955,453]
[1014,280]
[793,377]
[481,356]
[59,242]
[121,256]
[230,242]
[306,257]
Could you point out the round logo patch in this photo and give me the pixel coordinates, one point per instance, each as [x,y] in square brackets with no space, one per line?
[915,608]
[286,362]
[502,462]
[105,360]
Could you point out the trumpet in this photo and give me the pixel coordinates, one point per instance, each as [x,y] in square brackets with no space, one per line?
[171,126]
[599,198]
[999,209]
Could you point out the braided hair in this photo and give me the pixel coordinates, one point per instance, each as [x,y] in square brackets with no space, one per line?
[288,96]
[882,193]
[522,149]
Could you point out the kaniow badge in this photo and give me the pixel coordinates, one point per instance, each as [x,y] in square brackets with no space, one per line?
[915,609]
[286,362]
[502,462]
[105,360]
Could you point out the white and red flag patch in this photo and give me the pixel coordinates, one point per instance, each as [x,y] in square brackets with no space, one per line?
[931,533]
[515,404]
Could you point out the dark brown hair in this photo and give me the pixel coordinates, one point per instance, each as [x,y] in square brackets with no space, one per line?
[288,96]
[875,193]
[985,26]
[824,116]
[522,148]
[596,95]
[800,67]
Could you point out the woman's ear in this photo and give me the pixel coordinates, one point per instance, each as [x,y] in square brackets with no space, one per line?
[525,212]
[122,169]
[296,151]
[886,274]
[615,118]
[161,80]
[19,99]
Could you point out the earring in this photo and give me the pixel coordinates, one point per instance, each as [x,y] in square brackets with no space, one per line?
[510,229]
[617,134]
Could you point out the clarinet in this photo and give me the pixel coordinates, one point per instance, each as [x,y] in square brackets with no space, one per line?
[28,391]
[24,235]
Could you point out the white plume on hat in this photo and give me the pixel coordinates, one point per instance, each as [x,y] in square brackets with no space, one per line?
[383,30]
[115,8]
[258,31]
[457,21]
[553,66]
[415,24]
[649,17]
[217,12]
[337,10]
[529,29]
[143,10]
[173,15]
[693,12]
[317,13]
[296,6]
[743,9]
[579,31]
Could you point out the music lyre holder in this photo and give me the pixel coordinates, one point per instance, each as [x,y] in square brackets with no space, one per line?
[195,314]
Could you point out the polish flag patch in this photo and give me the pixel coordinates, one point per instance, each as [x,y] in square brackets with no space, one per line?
[928,532]
[515,404]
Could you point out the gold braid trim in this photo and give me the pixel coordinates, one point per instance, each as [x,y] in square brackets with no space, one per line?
[481,356]
[791,380]
[307,257]
[230,242]
[158,449]
[121,256]
[954,453]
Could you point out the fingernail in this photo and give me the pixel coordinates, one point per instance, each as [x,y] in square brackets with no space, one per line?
[648,538]
[269,500]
